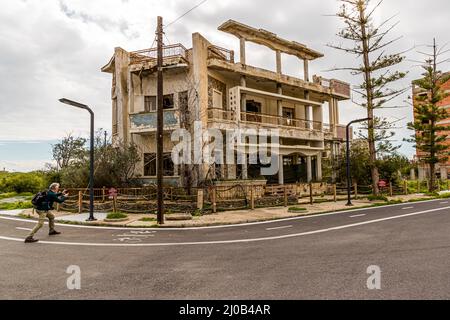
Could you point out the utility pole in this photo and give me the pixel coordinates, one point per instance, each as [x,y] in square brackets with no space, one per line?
[106,137]
[160,125]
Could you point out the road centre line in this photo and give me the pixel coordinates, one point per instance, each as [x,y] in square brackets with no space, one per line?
[358,215]
[80,244]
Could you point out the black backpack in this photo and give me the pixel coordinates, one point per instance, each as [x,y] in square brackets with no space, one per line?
[39,198]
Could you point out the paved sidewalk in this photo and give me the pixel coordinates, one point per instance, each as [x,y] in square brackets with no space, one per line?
[221,218]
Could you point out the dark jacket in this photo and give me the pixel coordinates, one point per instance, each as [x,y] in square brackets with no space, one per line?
[51,198]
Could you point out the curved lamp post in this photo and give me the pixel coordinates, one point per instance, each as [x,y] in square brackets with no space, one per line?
[91,153]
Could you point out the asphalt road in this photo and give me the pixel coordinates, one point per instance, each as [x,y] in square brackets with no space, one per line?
[317,257]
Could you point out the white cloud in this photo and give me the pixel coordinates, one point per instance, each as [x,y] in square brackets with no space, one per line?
[23,165]
[50,49]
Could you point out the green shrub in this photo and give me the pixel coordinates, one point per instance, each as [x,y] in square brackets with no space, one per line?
[445,195]
[22,182]
[16,205]
[116,216]
[8,195]
[377,198]
[197,213]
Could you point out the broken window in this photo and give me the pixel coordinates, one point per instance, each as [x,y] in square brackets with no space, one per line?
[150,103]
[168,102]
[150,165]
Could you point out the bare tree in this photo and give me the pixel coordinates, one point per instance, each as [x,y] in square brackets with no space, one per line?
[369,44]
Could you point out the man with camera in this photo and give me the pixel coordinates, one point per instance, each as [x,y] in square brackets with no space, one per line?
[43,206]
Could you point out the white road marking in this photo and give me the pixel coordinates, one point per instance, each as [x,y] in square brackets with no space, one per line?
[25,229]
[407,208]
[443,202]
[279,228]
[358,215]
[134,235]
[86,244]
[218,227]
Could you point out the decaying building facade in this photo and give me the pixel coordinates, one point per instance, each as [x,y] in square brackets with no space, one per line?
[206,83]
[442,169]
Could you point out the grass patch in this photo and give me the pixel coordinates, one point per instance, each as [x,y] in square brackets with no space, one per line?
[116,216]
[377,198]
[147,219]
[16,205]
[15,194]
[197,213]
[297,209]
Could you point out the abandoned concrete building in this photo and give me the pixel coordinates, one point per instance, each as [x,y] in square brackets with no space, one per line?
[206,83]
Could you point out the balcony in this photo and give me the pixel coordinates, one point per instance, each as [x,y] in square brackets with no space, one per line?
[147,122]
[290,128]
[173,55]
[277,121]
[216,52]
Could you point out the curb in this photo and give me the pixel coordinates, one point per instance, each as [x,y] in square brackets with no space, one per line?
[217,224]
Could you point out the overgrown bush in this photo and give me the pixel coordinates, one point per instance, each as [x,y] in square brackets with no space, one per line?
[22,182]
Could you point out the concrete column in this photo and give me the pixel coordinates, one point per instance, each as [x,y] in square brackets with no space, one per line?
[306,70]
[281,171]
[280,102]
[243,95]
[308,111]
[278,57]
[242,51]
[244,168]
[319,167]
[336,111]
[413,174]
[231,171]
[443,173]
[309,168]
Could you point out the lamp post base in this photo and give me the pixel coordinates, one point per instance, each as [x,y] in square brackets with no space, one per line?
[91,219]
[349,204]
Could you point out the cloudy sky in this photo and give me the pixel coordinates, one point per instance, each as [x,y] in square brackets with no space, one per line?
[55,48]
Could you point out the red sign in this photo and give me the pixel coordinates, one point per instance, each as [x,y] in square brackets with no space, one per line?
[112,193]
[382,184]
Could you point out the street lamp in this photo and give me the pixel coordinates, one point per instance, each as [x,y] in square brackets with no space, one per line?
[91,157]
[349,176]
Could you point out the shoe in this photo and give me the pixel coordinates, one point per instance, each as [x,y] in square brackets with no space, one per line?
[54,233]
[31,240]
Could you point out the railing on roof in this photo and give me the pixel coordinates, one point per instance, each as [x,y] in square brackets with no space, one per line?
[220,53]
[171,51]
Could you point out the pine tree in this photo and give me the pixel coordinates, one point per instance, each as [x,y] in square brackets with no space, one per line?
[430,136]
[375,91]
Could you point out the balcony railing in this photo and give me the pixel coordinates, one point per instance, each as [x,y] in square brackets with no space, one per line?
[175,50]
[264,119]
[280,121]
[220,53]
